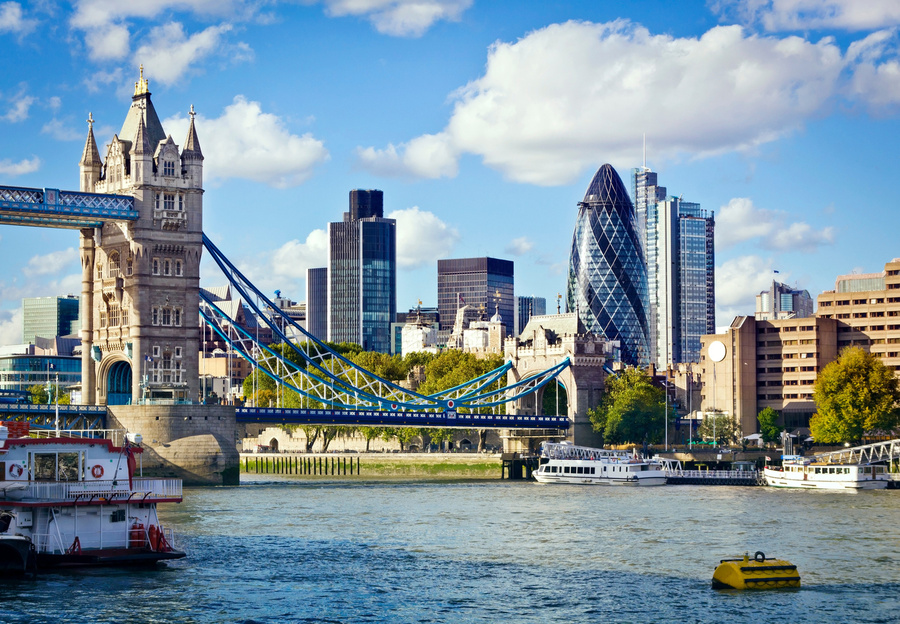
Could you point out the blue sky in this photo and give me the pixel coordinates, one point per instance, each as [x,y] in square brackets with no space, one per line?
[482,122]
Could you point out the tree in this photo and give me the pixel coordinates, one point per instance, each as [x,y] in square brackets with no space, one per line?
[41,396]
[854,394]
[768,425]
[720,427]
[632,409]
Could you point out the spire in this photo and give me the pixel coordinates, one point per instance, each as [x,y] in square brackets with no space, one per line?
[91,155]
[141,140]
[142,86]
[192,143]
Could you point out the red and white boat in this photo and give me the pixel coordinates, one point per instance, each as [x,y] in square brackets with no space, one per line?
[70,501]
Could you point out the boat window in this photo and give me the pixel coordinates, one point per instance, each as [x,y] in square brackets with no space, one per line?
[56,466]
[593,470]
[565,469]
[580,469]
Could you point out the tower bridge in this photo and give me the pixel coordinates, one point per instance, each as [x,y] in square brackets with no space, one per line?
[139,213]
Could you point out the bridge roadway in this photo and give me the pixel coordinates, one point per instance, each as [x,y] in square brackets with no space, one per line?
[62,209]
[89,417]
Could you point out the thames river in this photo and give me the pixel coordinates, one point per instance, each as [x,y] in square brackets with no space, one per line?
[288,550]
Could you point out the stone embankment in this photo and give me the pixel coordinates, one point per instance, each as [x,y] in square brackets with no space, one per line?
[374,465]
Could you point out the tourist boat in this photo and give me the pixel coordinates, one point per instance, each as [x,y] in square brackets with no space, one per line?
[800,472]
[566,463]
[71,501]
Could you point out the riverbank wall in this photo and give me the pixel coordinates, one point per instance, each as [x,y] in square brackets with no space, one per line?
[374,465]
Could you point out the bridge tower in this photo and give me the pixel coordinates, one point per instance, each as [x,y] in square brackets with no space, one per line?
[141,279]
[546,341]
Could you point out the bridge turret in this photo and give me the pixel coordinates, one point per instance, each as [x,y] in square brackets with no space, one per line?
[192,156]
[91,166]
[141,156]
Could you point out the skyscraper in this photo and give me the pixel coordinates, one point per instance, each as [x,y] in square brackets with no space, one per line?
[783,302]
[607,282]
[526,307]
[49,317]
[362,274]
[680,253]
[483,283]
[317,302]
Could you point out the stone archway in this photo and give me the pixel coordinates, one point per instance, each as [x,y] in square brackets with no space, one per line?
[118,383]
[273,445]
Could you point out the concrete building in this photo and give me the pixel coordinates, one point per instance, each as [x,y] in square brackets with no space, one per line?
[526,307]
[679,246]
[483,284]
[781,302]
[362,274]
[49,317]
[607,281]
[140,281]
[56,360]
[775,363]
[317,302]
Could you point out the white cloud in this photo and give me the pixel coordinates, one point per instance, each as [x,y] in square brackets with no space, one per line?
[10,168]
[738,281]
[21,103]
[245,142]
[519,246]
[876,76]
[429,156]
[60,131]
[422,237]
[404,18]
[108,41]
[554,102]
[11,326]
[12,19]
[740,221]
[787,15]
[169,52]
[51,263]
[293,258]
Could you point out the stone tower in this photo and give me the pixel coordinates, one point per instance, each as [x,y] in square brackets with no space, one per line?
[140,279]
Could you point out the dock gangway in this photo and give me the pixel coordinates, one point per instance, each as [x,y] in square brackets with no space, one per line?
[888,451]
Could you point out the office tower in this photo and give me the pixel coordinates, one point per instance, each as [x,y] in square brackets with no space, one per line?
[362,274]
[607,282]
[783,302]
[49,317]
[679,249]
[483,284]
[317,302]
[526,307]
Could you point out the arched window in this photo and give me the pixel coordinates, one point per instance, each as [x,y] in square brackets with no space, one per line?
[99,270]
[167,267]
[155,266]
[179,268]
[129,266]
[113,268]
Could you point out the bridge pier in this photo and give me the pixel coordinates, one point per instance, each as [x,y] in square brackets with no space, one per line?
[195,443]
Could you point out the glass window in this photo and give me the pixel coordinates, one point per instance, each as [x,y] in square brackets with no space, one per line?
[168,168]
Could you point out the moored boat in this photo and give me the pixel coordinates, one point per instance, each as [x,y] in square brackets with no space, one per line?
[70,501]
[799,472]
[566,463]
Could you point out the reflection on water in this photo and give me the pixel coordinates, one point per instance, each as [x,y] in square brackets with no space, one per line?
[276,550]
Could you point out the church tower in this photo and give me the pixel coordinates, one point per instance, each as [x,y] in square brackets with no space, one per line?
[140,280]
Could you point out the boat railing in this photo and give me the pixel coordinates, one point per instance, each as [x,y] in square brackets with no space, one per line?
[113,491]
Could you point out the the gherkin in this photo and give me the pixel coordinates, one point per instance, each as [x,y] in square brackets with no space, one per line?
[607,284]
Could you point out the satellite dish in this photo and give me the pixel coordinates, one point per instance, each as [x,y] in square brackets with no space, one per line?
[716,351]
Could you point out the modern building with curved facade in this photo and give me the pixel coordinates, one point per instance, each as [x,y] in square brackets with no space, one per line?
[607,283]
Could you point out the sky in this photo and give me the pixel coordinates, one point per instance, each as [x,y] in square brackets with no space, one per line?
[483,121]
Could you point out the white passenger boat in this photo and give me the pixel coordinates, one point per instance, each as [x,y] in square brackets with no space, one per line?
[566,463]
[69,501]
[799,472]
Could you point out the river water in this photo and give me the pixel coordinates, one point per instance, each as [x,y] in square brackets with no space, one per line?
[282,549]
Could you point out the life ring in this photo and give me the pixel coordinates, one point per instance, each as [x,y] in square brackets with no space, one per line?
[97,471]
[16,470]
[759,556]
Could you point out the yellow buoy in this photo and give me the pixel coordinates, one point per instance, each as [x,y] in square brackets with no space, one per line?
[756,573]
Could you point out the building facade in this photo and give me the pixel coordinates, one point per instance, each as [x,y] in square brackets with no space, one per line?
[526,307]
[49,317]
[607,281]
[317,302]
[679,242]
[362,274]
[140,280]
[484,284]
[774,363]
[782,302]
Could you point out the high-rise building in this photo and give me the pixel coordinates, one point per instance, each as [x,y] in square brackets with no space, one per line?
[484,284]
[783,302]
[607,282]
[49,317]
[362,274]
[526,307]
[679,244]
[317,302]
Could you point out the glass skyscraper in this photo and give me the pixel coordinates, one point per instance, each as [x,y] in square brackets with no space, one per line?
[362,274]
[483,283]
[679,245]
[49,317]
[607,282]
